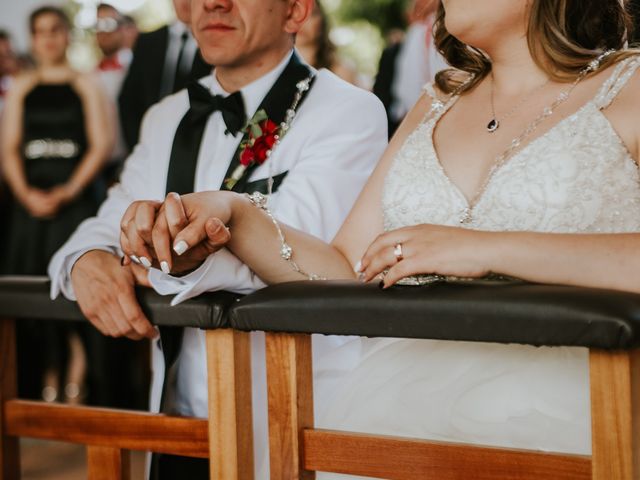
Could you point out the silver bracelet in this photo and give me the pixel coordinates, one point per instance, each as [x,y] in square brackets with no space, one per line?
[286,252]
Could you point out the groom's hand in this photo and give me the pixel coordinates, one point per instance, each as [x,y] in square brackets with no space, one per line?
[135,232]
[105,293]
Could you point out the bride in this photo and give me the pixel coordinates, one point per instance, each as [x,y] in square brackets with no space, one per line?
[521,162]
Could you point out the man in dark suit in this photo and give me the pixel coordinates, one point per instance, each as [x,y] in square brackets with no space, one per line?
[164,61]
[406,66]
[634,9]
[383,85]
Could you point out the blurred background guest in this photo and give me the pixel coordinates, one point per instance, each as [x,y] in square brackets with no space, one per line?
[111,39]
[55,138]
[8,68]
[405,68]
[8,65]
[117,372]
[316,48]
[130,31]
[164,61]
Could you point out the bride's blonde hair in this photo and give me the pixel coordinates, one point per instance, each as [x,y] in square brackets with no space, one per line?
[563,37]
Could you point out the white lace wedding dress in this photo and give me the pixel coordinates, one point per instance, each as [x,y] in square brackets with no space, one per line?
[579,178]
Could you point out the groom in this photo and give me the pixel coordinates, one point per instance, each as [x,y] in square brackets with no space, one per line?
[191,142]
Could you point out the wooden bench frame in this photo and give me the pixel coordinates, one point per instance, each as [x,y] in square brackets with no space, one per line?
[225,438]
[297,450]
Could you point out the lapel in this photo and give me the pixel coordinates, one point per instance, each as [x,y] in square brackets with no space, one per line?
[275,103]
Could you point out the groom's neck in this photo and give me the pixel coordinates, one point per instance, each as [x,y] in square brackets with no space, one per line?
[235,77]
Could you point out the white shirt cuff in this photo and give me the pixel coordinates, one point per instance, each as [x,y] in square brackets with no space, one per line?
[220,271]
[61,275]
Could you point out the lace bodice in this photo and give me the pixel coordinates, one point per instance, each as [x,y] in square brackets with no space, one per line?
[576,178]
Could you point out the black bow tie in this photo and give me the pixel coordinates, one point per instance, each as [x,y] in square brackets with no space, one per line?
[204,104]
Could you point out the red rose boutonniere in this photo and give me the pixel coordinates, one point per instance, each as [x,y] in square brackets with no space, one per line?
[263,135]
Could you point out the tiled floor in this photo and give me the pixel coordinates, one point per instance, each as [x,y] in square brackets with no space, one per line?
[42,460]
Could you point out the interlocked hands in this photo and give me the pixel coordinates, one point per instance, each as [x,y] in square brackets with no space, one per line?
[178,234]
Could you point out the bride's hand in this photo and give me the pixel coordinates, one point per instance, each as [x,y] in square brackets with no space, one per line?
[427,249]
[190,228]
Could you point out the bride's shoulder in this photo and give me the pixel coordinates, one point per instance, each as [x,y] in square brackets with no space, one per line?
[435,96]
[444,86]
[620,97]
[626,79]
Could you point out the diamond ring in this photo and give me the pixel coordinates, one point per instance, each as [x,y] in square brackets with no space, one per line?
[397,252]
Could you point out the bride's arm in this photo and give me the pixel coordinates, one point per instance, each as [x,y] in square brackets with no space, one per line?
[588,260]
[602,261]
[254,238]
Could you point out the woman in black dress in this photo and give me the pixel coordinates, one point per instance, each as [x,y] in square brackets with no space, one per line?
[55,138]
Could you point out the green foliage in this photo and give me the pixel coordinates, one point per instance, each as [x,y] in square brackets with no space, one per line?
[385,14]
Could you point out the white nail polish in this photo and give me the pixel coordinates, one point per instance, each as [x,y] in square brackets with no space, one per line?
[164,266]
[358,267]
[145,262]
[134,259]
[181,247]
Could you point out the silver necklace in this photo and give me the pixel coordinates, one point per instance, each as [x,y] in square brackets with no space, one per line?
[466,216]
[494,124]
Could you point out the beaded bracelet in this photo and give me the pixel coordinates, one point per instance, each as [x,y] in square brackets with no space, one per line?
[286,252]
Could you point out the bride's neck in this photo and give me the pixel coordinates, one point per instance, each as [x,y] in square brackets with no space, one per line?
[514,70]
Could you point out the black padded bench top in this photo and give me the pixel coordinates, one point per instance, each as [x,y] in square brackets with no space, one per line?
[28,297]
[468,311]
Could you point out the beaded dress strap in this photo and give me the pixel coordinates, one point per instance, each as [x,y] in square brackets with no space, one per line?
[438,107]
[616,82]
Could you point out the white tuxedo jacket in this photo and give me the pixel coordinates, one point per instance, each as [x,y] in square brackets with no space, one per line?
[335,141]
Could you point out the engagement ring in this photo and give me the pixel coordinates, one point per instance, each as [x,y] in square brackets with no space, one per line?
[397,251]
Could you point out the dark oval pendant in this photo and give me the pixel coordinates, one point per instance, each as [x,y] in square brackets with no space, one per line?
[493,125]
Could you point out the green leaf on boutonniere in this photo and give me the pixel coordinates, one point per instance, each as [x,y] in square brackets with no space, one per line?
[260,116]
[253,125]
[256,131]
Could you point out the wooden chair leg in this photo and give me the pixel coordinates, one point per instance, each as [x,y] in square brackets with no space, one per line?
[290,395]
[230,412]
[9,446]
[615,415]
[108,463]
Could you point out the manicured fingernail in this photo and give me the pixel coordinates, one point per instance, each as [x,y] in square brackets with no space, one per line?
[145,262]
[135,259]
[181,247]
[358,267]
[164,266]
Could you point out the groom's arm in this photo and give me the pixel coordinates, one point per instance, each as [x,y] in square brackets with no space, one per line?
[101,232]
[143,177]
[88,269]
[343,140]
